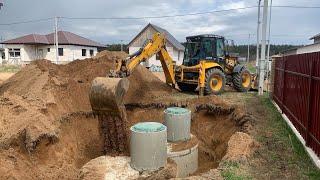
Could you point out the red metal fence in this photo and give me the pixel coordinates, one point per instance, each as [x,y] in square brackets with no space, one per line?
[297,92]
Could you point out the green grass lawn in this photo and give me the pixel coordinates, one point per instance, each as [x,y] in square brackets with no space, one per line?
[10,68]
[251,67]
[282,134]
[280,155]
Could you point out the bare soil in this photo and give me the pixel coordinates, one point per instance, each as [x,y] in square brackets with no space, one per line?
[47,129]
[184,145]
[4,76]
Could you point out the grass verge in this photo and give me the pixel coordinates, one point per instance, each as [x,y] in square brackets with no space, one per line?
[9,68]
[251,67]
[233,171]
[284,150]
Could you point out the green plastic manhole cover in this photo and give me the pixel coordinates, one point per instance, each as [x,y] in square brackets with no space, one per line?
[148,127]
[176,110]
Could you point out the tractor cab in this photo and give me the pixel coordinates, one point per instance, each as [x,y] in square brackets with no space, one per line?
[207,65]
[204,47]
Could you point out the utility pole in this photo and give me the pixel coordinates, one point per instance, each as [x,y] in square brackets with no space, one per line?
[56,38]
[269,42]
[248,58]
[1,60]
[1,55]
[258,38]
[1,40]
[263,47]
[121,45]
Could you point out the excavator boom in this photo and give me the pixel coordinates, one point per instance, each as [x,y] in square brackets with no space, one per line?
[154,46]
[101,90]
[107,93]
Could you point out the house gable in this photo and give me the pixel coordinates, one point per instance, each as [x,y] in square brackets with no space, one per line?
[140,39]
[147,33]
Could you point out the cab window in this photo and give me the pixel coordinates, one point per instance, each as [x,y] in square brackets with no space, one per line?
[220,48]
[208,49]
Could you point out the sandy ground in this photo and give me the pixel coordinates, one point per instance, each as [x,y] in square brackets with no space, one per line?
[4,76]
[160,75]
[47,125]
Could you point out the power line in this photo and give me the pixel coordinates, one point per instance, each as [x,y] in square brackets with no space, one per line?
[188,14]
[27,21]
[156,17]
[164,16]
[296,7]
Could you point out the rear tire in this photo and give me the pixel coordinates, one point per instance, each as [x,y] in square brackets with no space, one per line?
[187,87]
[215,81]
[242,80]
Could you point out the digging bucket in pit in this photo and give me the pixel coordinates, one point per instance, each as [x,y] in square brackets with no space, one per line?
[106,98]
[106,94]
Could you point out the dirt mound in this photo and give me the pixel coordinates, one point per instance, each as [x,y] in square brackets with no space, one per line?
[240,146]
[37,101]
[105,53]
[4,76]
[47,127]
[108,167]
[42,92]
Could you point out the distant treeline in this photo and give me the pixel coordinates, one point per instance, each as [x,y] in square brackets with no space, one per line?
[241,50]
[117,47]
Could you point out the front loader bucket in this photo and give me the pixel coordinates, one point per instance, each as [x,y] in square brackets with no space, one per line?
[106,94]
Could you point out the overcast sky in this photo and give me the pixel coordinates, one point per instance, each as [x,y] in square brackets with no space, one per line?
[289,26]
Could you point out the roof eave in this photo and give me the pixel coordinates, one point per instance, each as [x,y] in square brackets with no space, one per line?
[129,44]
[25,43]
[149,24]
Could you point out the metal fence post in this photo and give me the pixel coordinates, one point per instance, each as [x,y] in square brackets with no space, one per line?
[309,107]
[283,82]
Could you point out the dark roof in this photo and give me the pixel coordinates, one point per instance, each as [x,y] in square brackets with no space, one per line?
[64,38]
[315,36]
[28,39]
[206,36]
[169,37]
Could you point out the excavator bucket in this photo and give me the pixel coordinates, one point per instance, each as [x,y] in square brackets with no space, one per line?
[106,94]
[106,98]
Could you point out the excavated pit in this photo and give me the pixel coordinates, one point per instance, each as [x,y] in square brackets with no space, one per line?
[48,130]
[212,124]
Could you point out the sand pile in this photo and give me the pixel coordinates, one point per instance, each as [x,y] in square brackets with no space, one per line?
[41,93]
[240,147]
[41,100]
[47,129]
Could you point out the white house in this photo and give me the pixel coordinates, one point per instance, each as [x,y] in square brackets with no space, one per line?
[174,48]
[1,55]
[314,47]
[25,49]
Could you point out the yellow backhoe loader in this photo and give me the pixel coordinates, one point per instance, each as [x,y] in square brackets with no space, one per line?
[206,65]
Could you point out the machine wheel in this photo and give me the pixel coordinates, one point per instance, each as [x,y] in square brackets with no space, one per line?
[187,87]
[215,81]
[242,80]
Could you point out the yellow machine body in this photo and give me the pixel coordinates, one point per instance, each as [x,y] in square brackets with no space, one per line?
[209,75]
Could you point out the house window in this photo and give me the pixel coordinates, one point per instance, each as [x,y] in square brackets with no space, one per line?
[60,51]
[14,53]
[48,49]
[91,52]
[84,52]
